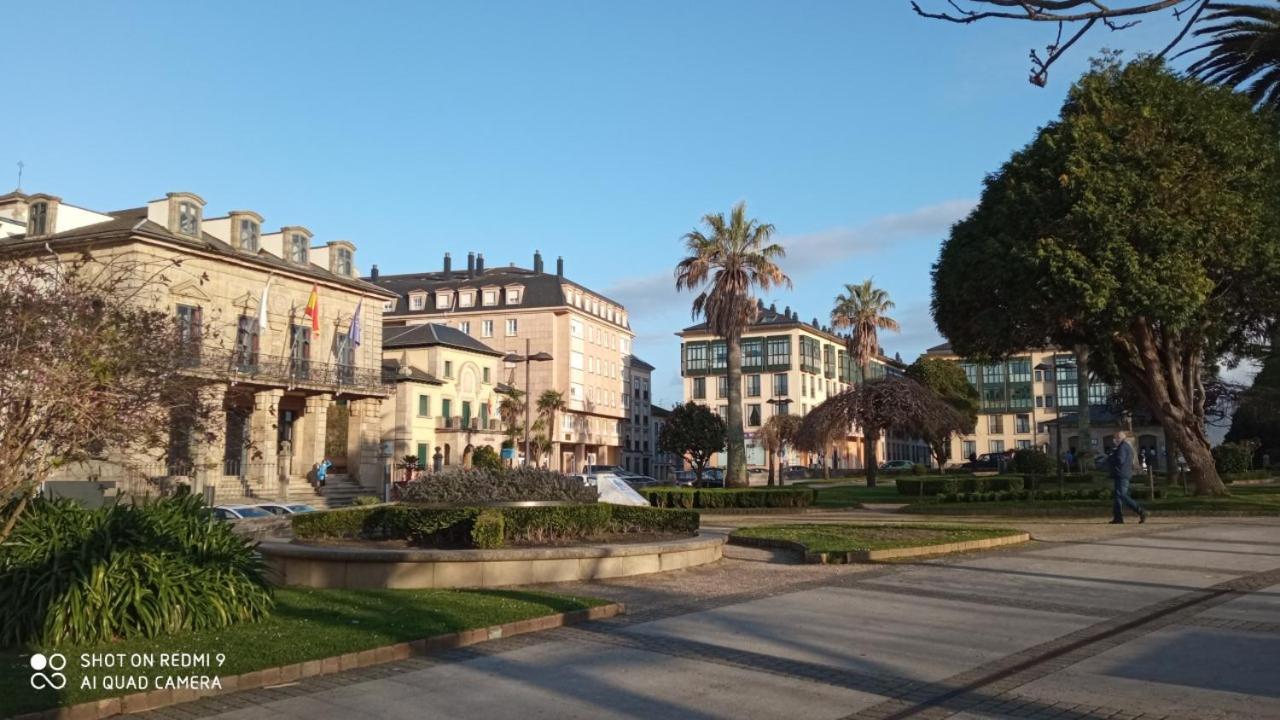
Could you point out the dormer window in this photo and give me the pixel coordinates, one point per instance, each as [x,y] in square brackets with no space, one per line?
[466,299]
[38,220]
[513,296]
[298,247]
[249,235]
[189,218]
[417,301]
[490,298]
[342,265]
[444,300]
[389,306]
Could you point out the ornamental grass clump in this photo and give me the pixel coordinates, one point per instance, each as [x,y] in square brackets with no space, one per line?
[70,575]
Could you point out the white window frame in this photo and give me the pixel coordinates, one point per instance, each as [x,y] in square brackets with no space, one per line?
[486,328]
[513,327]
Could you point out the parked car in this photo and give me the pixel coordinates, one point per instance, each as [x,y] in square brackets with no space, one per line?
[897,465]
[239,512]
[640,481]
[711,477]
[795,472]
[286,508]
[612,469]
[985,461]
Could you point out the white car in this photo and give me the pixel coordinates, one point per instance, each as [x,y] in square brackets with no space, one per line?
[239,512]
[286,508]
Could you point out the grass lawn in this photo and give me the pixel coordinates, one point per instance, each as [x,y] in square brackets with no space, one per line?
[306,624]
[840,538]
[1244,500]
[843,496]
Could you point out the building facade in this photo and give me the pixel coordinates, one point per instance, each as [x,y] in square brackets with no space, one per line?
[273,385]
[664,464]
[788,365]
[1024,397]
[525,312]
[638,441]
[447,390]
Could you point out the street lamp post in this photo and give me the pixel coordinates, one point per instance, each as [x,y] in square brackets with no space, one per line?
[1057,421]
[528,359]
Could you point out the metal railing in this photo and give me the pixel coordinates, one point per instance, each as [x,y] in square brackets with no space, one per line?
[474,424]
[238,364]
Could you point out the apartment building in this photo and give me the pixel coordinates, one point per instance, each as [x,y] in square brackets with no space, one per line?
[664,464]
[447,389]
[638,441]
[527,312]
[273,384]
[788,365]
[1023,397]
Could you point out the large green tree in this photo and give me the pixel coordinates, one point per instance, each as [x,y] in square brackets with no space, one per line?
[863,310]
[947,380]
[1257,414]
[694,433]
[1140,224]
[725,265]
[1243,49]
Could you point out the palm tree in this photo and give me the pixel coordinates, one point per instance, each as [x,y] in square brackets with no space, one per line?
[724,265]
[774,435]
[1244,50]
[551,402]
[511,410]
[861,309]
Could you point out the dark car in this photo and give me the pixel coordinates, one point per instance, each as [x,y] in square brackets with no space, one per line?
[985,461]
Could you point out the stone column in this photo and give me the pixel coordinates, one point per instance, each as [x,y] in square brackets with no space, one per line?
[312,430]
[264,439]
[363,441]
[208,454]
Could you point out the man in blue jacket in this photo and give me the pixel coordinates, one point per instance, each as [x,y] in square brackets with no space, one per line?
[1120,467]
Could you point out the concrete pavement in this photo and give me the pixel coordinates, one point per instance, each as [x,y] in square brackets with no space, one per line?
[1176,619]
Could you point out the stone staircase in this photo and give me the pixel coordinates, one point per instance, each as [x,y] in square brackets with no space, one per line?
[338,491]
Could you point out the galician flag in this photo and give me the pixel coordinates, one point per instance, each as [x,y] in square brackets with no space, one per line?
[313,308]
[262,305]
[353,334]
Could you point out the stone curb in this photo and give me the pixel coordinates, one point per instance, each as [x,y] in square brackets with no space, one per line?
[866,556]
[144,701]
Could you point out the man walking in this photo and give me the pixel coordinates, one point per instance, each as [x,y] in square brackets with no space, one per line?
[1120,467]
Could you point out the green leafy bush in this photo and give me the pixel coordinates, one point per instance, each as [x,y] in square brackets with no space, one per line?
[1233,457]
[719,498]
[486,458]
[919,469]
[70,575]
[460,486]
[1032,461]
[476,527]
[365,500]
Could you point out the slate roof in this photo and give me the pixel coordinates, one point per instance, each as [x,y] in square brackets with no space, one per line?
[788,318]
[428,334]
[133,221]
[541,289]
[637,362]
[942,349]
[391,372]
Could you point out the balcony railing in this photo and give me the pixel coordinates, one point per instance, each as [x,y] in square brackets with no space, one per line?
[471,425]
[240,365]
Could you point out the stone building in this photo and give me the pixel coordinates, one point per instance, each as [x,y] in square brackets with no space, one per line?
[1023,397]
[638,442]
[447,390]
[788,365]
[522,311]
[274,385]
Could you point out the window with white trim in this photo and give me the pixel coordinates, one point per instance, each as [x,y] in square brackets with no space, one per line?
[512,326]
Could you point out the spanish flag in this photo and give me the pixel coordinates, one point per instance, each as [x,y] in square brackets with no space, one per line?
[313,308]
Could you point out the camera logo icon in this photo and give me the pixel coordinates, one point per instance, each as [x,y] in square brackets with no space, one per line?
[53,680]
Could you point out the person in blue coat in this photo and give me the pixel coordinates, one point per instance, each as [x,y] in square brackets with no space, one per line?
[1120,467]
[322,470]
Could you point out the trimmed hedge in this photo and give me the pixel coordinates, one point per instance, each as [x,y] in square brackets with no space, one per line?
[1137,492]
[474,527]
[459,486]
[712,498]
[955,484]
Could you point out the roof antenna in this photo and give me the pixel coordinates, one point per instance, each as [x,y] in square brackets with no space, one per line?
[20,166]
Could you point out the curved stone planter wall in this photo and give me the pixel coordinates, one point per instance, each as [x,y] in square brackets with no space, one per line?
[349,567]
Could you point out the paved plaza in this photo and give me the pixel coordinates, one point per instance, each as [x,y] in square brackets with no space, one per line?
[1173,619]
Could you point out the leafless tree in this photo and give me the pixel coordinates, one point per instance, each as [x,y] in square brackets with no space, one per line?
[1073,19]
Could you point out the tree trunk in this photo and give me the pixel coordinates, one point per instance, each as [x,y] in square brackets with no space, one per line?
[771,460]
[826,463]
[12,520]
[870,436]
[1085,445]
[736,470]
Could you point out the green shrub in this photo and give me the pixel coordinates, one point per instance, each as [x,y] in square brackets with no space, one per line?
[70,575]
[361,500]
[1233,457]
[465,527]
[487,529]
[919,469]
[1032,461]
[714,498]
[460,486]
[486,458]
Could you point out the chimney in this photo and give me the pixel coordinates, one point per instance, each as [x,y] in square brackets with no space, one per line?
[773,308]
[559,267]
[479,263]
[787,312]
[471,265]
[373,272]
[448,267]
[537,261]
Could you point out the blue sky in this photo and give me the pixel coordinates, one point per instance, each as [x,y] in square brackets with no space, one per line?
[594,130]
